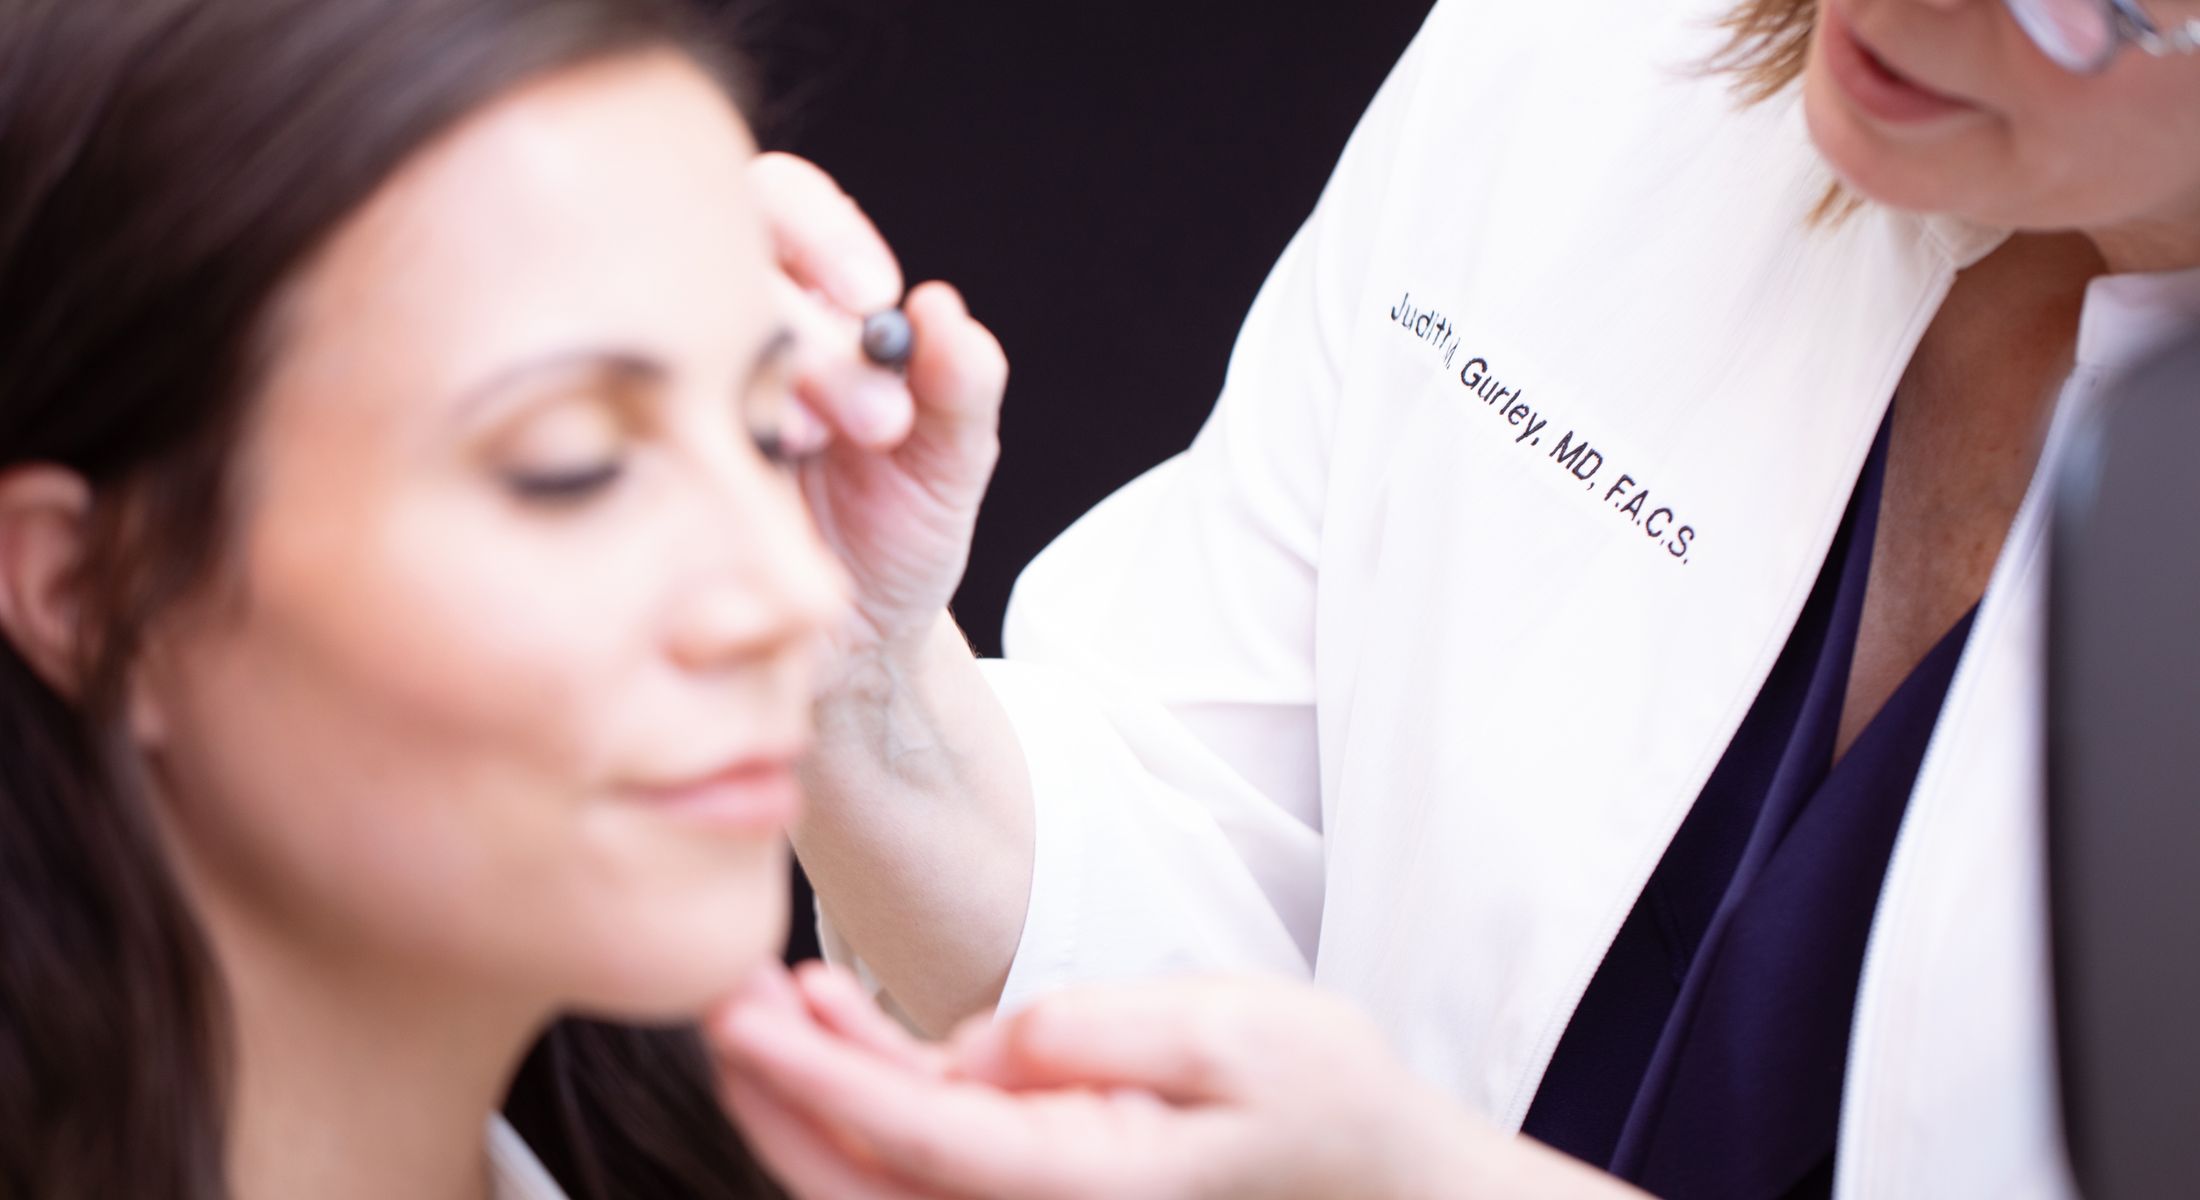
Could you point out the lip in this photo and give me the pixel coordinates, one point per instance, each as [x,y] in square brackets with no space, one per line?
[1873,86]
[757,795]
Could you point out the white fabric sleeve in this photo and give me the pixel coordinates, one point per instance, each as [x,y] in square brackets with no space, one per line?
[1160,669]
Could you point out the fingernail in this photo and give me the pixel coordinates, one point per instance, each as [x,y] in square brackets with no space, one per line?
[816,970]
[802,432]
[744,1027]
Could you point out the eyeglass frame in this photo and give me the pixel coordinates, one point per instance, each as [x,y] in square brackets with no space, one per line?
[2129,25]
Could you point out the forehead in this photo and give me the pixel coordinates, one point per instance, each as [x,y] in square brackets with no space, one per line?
[603,205]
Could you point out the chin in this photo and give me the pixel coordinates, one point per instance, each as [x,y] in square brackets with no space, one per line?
[1928,176]
[684,950]
[1863,164]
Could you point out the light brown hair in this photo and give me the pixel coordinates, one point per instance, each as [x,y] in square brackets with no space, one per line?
[1768,42]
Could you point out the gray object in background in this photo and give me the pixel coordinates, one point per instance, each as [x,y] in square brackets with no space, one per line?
[2124,792]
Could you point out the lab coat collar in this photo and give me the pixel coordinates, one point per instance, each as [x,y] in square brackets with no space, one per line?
[1963,242]
[2126,318]
[1951,1087]
[2129,317]
[515,1173]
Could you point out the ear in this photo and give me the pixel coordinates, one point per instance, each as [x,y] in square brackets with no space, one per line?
[44,514]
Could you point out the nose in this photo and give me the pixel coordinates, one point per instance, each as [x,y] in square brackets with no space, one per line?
[773,588]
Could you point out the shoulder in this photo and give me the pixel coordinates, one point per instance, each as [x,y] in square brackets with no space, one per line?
[1540,84]
[1583,33]
[1534,106]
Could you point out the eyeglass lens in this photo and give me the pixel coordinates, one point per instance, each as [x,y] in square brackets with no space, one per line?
[2083,35]
[2078,34]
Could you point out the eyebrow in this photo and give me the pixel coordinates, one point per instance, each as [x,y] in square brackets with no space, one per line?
[623,367]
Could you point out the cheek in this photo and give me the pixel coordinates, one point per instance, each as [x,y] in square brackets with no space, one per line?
[2120,148]
[401,744]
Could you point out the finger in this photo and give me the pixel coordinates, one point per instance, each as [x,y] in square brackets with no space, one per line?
[868,405]
[799,1155]
[771,983]
[958,371]
[770,986]
[950,391]
[803,433]
[822,237]
[839,1004]
[1187,1042]
[926,1132]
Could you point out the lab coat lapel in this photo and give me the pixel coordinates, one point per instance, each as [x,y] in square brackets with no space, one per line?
[1735,367]
[1951,1086]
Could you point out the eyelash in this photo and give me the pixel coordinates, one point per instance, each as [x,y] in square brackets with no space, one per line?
[568,487]
[774,449]
[572,487]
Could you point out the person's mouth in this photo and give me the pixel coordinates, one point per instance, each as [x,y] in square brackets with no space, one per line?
[1875,86]
[755,793]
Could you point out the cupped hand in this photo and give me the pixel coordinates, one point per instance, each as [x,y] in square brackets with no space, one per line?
[899,460]
[1177,1091]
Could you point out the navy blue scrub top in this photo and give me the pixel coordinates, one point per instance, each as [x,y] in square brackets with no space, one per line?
[1705,1061]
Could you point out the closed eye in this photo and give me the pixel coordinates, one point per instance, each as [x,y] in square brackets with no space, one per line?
[564,487]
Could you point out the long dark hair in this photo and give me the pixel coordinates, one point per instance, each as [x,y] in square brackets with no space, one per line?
[165,167]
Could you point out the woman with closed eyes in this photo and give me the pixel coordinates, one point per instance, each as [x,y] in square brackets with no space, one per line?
[409,618]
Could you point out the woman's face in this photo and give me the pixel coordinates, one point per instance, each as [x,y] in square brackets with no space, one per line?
[515,652]
[1947,106]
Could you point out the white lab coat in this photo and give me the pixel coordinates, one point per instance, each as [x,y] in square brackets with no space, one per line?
[1384,684]
[514,1171]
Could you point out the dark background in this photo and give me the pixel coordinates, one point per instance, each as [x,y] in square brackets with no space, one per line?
[1108,184]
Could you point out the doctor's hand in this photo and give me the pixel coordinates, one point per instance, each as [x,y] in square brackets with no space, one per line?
[917,832]
[1175,1091]
[901,459]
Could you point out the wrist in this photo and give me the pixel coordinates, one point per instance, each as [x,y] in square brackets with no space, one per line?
[1476,1159]
[872,666]
[886,719]
[1436,1149]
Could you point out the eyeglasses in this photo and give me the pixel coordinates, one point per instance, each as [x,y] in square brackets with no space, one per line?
[2084,36]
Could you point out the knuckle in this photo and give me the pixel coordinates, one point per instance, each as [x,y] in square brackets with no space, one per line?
[1040,1034]
[992,356]
[774,176]
[1212,1052]
[783,168]
[771,161]
[976,363]
[800,195]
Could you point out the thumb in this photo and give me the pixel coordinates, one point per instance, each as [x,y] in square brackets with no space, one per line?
[1186,1043]
[957,371]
